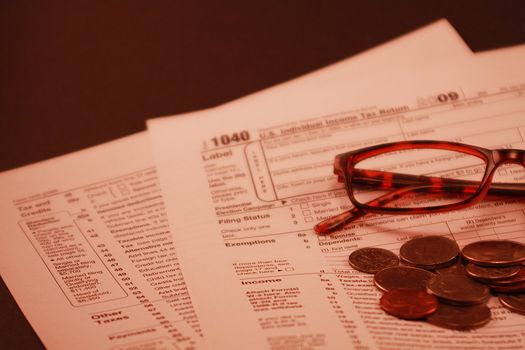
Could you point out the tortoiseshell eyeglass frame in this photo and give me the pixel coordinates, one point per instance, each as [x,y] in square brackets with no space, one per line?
[404,184]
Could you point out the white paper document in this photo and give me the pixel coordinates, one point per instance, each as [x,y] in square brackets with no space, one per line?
[86,249]
[88,253]
[246,186]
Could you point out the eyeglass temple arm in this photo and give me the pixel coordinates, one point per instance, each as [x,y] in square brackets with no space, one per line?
[377,178]
[340,220]
[385,179]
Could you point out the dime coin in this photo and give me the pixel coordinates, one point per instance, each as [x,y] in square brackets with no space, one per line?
[515,302]
[510,289]
[408,303]
[490,273]
[517,278]
[402,277]
[458,290]
[429,252]
[460,317]
[371,260]
[494,253]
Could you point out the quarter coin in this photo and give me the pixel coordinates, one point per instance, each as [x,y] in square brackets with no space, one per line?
[494,253]
[408,303]
[429,252]
[402,277]
[460,317]
[371,260]
[458,290]
[515,302]
[491,273]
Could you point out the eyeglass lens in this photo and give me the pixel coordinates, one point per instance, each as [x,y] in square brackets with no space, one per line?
[415,178]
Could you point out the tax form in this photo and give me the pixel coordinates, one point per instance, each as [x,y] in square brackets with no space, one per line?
[246,187]
[85,247]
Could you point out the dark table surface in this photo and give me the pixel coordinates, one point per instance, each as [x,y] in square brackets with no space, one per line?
[77,73]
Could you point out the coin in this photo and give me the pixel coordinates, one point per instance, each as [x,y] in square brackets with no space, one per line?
[515,302]
[517,278]
[460,317]
[494,253]
[458,290]
[371,260]
[402,277]
[510,289]
[491,273]
[429,252]
[408,303]
[457,267]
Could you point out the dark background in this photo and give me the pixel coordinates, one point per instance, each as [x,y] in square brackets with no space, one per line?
[77,73]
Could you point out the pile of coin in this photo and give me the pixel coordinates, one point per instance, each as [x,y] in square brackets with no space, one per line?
[433,279]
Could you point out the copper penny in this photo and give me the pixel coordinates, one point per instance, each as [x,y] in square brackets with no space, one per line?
[371,260]
[402,277]
[494,253]
[509,289]
[408,303]
[515,302]
[429,252]
[458,290]
[460,317]
[517,278]
[491,273]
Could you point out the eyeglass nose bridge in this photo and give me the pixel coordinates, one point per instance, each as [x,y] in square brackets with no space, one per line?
[501,156]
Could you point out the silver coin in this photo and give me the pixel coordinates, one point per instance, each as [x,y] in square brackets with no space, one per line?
[516,279]
[371,260]
[516,288]
[491,273]
[457,267]
[515,302]
[429,252]
[402,277]
[458,290]
[460,317]
[494,253]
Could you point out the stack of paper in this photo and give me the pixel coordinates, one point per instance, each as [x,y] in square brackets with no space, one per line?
[199,233]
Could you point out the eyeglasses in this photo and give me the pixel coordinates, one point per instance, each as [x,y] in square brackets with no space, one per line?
[414,177]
